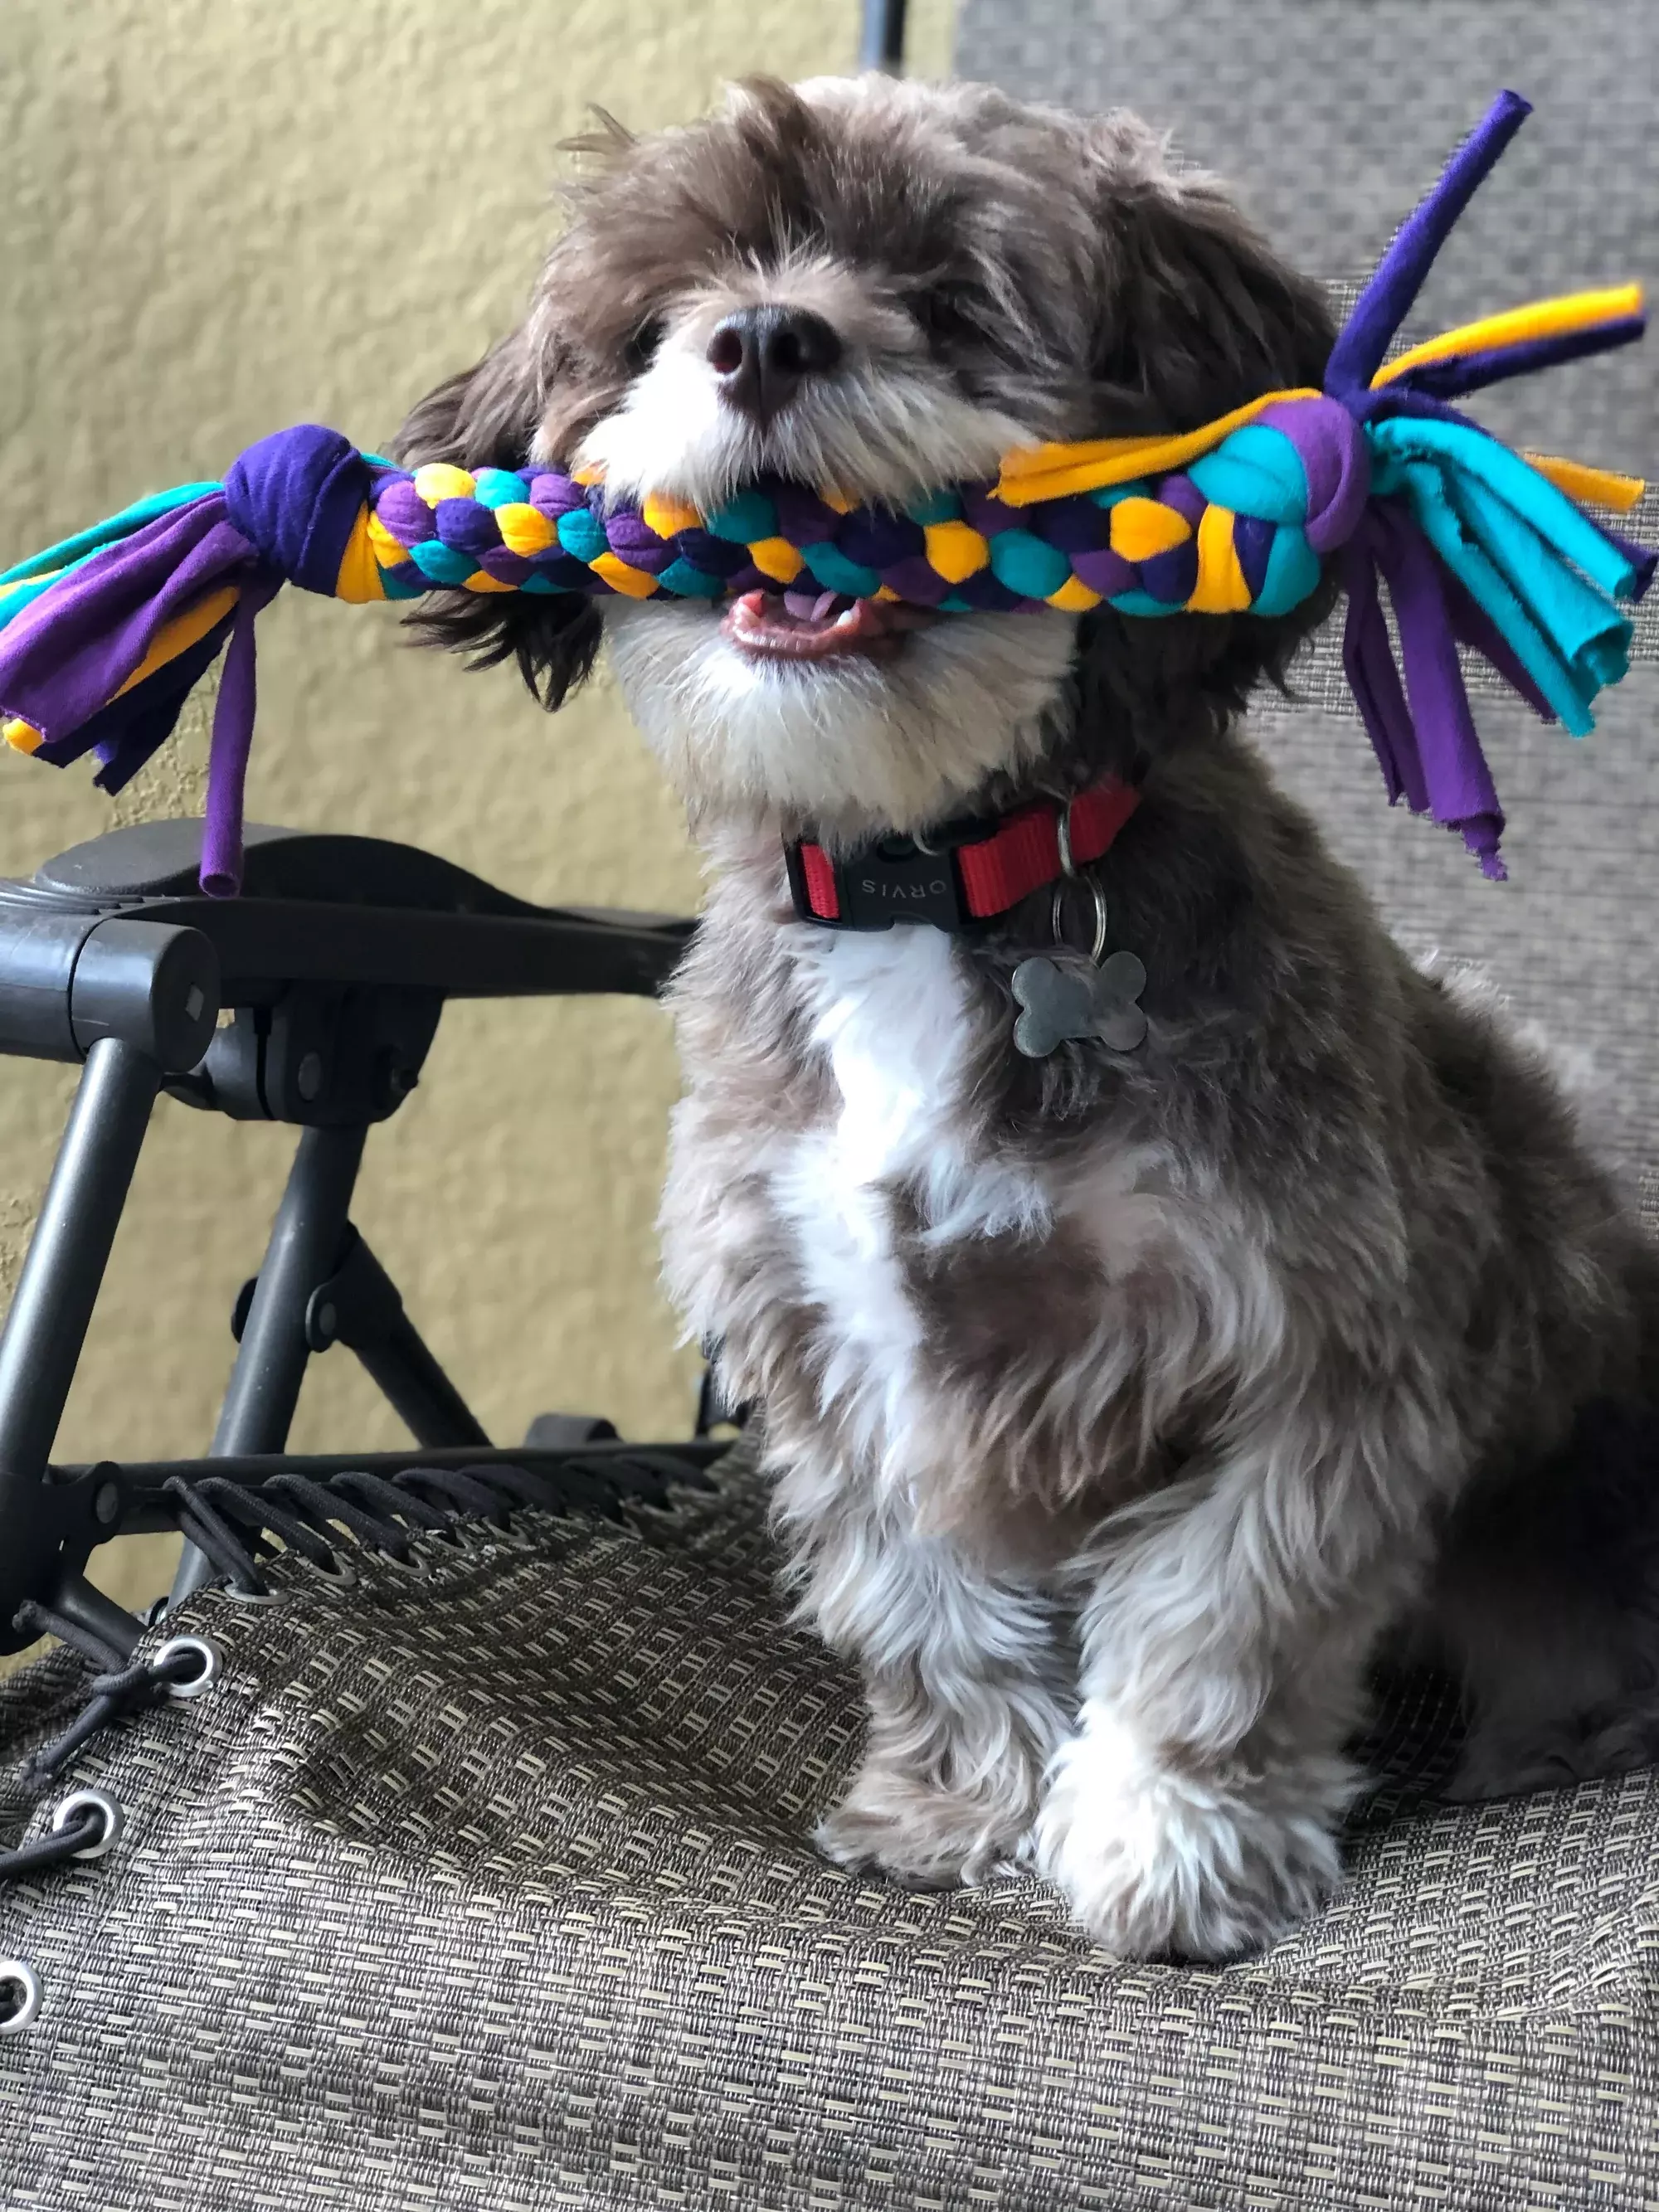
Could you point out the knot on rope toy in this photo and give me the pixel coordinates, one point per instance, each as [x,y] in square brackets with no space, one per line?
[102,636]
[297,497]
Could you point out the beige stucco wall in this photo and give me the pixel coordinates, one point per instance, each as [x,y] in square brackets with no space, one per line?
[222,217]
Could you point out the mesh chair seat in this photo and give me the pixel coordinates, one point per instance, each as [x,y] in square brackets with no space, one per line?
[494,1887]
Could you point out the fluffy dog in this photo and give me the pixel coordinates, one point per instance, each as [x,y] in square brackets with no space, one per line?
[1122,1406]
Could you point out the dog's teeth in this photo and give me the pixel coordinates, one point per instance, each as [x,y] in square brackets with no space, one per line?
[847,620]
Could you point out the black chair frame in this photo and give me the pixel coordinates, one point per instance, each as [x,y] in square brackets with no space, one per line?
[310,999]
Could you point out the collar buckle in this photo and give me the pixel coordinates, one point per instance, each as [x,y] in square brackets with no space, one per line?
[895,879]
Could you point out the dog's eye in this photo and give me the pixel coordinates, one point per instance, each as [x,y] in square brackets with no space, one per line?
[944,314]
[641,349]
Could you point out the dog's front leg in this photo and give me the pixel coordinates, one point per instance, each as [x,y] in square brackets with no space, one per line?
[1193,1812]
[971,1691]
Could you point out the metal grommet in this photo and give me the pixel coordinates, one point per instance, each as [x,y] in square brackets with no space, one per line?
[249,1597]
[98,1802]
[342,1574]
[412,1566]
[1056,913]
[212,1659]
[21,1976]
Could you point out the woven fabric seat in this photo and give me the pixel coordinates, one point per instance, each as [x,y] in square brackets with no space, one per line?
[494,1887]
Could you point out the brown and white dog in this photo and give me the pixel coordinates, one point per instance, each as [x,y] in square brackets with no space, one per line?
[1123,1405]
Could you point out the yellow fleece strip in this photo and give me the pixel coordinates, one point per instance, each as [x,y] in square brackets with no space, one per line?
[181,633]
[1035,472]
[359,581]
[1543,319]
[1221,588]
[1595,487]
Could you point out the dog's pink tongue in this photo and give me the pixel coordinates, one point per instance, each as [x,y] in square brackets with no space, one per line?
[806,607]
[817,626]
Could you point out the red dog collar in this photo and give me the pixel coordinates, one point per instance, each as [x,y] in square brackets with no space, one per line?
[967,872]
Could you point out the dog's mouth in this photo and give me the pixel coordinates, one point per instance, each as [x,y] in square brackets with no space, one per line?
[818,625]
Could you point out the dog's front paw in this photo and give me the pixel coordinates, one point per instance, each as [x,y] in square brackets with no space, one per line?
[926,1839]
[1159,1863]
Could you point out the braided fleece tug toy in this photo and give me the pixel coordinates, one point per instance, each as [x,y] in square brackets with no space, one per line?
[102,636]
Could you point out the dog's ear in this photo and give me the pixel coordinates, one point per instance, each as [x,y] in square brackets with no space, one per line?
[488,417]
[1195,315]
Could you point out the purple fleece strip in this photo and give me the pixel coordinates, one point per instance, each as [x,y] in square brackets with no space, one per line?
[1474,627]
[1253,542]
[1386,300]
[233,737]
[1460,374]
[126,732]
[1335,460]
[70,651]
[1369,663]
[296,496]
[1643,558]
[1454,774]
[1390,400]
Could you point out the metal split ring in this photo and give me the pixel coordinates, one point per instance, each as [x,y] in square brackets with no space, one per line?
[21,1976]
[1068,874]
[108,1811]
[1063,838]
[1056,913]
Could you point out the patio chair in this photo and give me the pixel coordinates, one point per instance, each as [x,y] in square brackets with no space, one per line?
[456,1851]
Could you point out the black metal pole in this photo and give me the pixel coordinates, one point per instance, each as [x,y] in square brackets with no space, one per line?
[143,1479]
[46,1328]
[304,1249]
[401,1364]
[883,43]
[75,1597]
[68,1254]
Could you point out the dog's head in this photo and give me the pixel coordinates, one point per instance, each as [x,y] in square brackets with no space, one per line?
[880,287]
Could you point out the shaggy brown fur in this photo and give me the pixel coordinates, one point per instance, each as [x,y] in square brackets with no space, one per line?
[1123,1405]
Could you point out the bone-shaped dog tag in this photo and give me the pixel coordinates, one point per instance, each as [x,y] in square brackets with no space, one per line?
[1119,1021]
[1056,1005]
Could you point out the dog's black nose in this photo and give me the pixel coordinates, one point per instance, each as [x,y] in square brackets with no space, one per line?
[762,355]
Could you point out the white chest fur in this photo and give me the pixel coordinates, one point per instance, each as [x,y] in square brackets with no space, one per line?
[891,1013]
